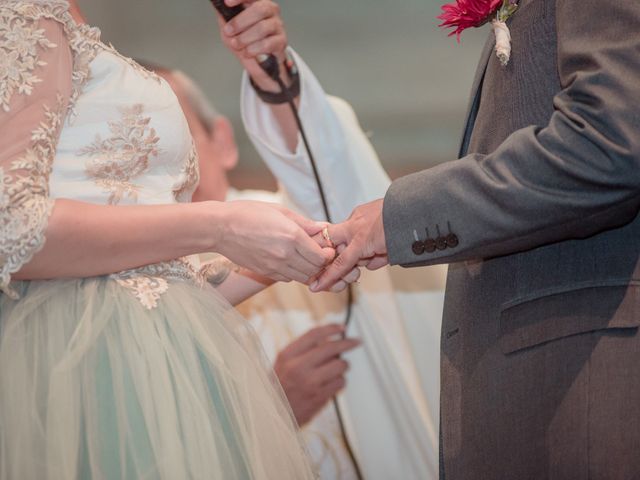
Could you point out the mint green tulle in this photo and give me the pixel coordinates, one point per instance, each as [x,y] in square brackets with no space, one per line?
[95,386]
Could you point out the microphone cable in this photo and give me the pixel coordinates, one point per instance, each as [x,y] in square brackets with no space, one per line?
[272,68]
[270,65]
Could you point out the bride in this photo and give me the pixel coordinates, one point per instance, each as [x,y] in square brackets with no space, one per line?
[120,356]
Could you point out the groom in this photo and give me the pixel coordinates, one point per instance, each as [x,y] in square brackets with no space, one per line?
[540,343]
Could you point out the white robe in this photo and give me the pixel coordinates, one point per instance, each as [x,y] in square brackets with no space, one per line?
[390,405]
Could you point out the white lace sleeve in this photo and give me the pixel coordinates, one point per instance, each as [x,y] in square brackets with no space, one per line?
[35,86]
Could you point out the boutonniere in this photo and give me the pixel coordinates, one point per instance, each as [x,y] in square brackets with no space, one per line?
[474,13]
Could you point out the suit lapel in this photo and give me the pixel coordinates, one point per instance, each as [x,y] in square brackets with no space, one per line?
[476,91]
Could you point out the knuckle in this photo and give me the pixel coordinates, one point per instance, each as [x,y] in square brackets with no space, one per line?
[262,29]
[270,7]
[339,261]
[291,236]
[279,43]
[269,26]
[265,8]
[270,44]
[260,47]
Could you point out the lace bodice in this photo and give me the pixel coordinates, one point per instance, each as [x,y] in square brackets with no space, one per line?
[96,128]
[125,140]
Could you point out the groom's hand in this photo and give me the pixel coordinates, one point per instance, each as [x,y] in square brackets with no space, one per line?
[360,240]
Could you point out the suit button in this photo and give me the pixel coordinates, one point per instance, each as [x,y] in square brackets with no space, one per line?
[418,247]
[430,245]
[452,240]
[441,243]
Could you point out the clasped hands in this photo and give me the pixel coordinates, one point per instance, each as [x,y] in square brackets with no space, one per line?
[359,242]
[282,245]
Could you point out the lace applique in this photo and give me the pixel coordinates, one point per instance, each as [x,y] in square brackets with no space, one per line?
[20,41]
[123,156]
[84,41]
[149,283]
[145,288]
[24,203]
[190,175]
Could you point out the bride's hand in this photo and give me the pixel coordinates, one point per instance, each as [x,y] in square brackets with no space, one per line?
[256,31]
[272,241]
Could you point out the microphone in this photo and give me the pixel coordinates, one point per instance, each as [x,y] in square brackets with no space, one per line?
[227,12]
[269,63]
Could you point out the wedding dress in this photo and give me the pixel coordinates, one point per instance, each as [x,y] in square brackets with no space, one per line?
[142,374]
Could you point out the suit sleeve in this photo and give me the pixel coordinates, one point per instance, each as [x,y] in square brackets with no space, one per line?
[348,166]
[575,177]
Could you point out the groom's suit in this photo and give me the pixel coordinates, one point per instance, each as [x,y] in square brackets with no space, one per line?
[540,344]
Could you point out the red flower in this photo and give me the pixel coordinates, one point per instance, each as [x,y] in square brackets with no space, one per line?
[467,13]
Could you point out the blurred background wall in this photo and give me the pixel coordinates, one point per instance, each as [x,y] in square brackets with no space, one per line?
[408,82]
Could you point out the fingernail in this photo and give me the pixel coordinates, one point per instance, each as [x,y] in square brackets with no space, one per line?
[228,29]
[314,286]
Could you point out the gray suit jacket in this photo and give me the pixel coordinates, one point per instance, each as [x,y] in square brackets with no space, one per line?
[540,348]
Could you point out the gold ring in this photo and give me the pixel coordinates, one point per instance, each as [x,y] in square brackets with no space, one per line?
[327,237]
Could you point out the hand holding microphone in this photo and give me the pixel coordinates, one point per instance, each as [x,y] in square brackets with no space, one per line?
[253,30]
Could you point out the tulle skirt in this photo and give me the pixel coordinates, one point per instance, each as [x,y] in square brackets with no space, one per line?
[95,386]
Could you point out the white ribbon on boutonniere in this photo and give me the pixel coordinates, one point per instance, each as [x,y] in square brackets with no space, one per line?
[474,13]
[501,31]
